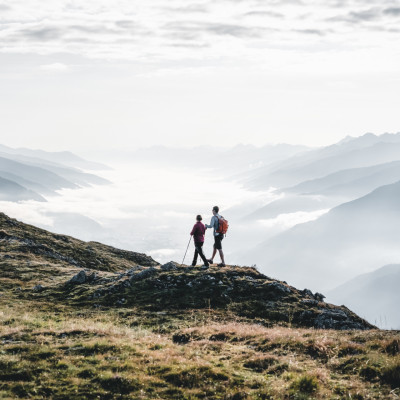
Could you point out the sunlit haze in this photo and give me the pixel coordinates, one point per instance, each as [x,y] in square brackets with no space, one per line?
[100,74]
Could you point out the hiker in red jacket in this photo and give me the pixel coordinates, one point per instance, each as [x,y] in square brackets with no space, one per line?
[198,232]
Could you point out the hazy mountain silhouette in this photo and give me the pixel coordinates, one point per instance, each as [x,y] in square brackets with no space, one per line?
[71,174]
[374,295]
[352,238]
[34,186]
[353,182]
[318,163]
[11,191]
[329,190]
[63,157]
[35,174]
[25,176]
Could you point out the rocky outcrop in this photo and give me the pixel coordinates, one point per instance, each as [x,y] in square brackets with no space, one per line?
[242,290]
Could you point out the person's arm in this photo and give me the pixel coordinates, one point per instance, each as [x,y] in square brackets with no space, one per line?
[209,226]
[212,222]
[193,230]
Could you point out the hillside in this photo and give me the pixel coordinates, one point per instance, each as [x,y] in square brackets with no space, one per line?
[85,320]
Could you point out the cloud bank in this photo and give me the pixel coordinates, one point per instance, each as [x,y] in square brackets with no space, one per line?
[145,31]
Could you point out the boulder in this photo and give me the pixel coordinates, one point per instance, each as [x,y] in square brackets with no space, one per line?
[169,266]
[146,273]
[279,287]
[79,278]
[319,296]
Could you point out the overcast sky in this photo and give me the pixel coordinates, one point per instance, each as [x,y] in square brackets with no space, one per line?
[82,73]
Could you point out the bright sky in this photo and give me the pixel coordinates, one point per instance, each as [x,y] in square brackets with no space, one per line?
[78,74]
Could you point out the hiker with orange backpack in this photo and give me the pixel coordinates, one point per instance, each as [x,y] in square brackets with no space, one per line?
[220,226]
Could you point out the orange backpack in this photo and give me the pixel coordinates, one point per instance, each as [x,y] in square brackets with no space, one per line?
[223,225]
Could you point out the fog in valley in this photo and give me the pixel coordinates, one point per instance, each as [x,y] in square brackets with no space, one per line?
[323,218]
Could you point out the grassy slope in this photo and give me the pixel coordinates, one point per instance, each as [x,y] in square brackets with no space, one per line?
[63,343]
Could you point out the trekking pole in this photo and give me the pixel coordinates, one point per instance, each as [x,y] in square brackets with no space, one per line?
[187,248]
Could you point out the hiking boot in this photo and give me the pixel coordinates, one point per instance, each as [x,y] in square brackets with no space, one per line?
[210,261]
[205,266]
[193,264]
[221,265]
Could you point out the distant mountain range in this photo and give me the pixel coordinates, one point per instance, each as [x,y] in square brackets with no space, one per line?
[350,239]
[358,179]
[374,295]
[33,174]
[65,158]
[361,152]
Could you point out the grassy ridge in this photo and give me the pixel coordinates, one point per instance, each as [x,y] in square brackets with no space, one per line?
[134,330]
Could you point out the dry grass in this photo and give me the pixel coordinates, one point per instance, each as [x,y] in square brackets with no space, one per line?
[99,354]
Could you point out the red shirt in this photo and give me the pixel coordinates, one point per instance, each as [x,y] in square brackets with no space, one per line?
[198,232]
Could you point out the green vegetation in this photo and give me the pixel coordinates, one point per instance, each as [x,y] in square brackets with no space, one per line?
[63,341]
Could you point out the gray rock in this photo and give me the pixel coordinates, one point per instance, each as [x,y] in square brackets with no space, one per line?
[79,278]
[169,266]
[146,273]
[132,270]
[308,292]
[333,319]
[319,297]
[279,287]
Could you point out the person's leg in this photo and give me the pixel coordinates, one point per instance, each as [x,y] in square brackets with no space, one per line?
[201,254]
[196,252]
[218,246]
[221,254]
[211,260]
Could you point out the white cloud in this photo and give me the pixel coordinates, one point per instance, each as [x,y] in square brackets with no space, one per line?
[30,212]
[286,221]
[152,32]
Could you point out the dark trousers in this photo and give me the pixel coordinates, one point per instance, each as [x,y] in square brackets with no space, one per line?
[199,252]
